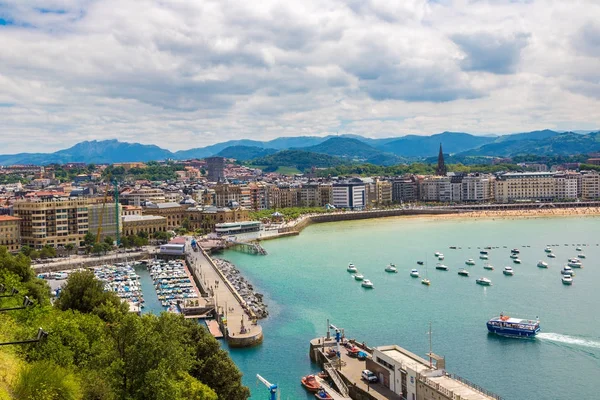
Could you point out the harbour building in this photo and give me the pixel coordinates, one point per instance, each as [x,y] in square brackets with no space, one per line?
[10,233]
[350,194]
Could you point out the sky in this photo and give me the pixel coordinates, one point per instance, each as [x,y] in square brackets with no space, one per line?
[189,73]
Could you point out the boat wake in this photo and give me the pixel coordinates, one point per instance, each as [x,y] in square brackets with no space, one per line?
[569,340]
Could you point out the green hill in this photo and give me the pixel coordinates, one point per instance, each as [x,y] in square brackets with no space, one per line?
[428,146]
[302,160]
[244,153]
[354,150]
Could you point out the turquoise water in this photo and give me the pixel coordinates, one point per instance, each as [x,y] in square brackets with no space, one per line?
[304,280]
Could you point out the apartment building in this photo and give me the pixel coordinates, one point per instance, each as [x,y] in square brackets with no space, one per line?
[477,188]
[326,194]
[174,213]
[110,216]
[518,186]
[53,221]
[590,185]
[283,196]
[10,233]
[226,194]
[139,197]
[349,194]
[310,195]
[404,189]
[566,185]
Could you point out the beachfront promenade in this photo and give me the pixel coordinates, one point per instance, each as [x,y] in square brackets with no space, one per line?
[236,320]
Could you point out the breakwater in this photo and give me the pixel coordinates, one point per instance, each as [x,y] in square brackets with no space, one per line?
[253,299]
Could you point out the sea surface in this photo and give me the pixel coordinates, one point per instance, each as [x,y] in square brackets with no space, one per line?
[305,282]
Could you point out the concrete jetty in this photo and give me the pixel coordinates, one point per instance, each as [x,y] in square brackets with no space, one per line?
[236,320]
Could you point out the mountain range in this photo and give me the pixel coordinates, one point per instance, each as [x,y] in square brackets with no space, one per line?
[348,148]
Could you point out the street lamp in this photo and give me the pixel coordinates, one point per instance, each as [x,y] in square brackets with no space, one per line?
[12,292]
[41,335]
[26,303]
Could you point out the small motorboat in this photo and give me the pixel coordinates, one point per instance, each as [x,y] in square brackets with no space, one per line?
[414,273]
[441,267]
[359,276]
[310,383]
[548,250]
[426,281]
[581,255]
[463,272]
[483,281]
[351,268]
[542,264]
[551,255]
[508,271]
[437,254]
[420,262]
[515,251]
[470,262]
[567,280]
[488,267]
[441,257]
[567,270]
[575,264]
[578,249]
[517,261]
[513,256]
[484,252]
[453,247]
[367,284]
[483,257]
[391,268]
[322,394]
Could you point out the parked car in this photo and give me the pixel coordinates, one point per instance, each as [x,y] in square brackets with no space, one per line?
[368,376]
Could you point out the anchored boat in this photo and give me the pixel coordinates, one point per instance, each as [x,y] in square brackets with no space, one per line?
[367,284]
[391,268]
[513,327]
[414,273]
[463,272]
[351,268]
[542,264]
[359,276]
[483,281]
[508,271]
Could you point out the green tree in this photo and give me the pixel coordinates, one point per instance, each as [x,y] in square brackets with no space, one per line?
[84,293]
[48,252]
[89,239]
[19,265]
[69,248]
[109,240]
[185,224]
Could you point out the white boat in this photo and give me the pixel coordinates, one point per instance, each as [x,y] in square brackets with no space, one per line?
[517,261]
[548,250]
[359,276]
[515,251]
[552,255]
[437,254]
[542,264]
[441,257]
[488,267]
[484,257]
[414,273]
[508,271]
[513,256]
[567,270]
[574,260]
[483,281]
[367,284]
[463,272]
[575,264]
[426,281]
[351,268]
[470,262]
[581,255]
[441,266]
[391,268]
[567,280]
[578,249]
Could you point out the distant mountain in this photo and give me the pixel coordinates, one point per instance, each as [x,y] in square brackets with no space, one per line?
[353,150]
[534,135]
[244,153]
[566,143]
[202,152]
[299,159]
[426,146]
[104,151]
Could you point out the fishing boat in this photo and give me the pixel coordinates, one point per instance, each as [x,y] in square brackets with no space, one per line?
[322,394]
[517,261]
[513,256]
[470,262]
[441,267]
[513,327]
[310,383]
[508,271]
[483,281]
[463,272]
[359,276]
[414,273]
[488,267]
[548,250]
[483,257]
[367,284]
[351,268]
[552,255]
[542,264]
[567,280]
[391,268]
[420,262]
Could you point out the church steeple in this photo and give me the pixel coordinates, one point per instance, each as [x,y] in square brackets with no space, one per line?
[441,166]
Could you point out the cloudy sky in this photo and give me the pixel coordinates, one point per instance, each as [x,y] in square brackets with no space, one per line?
[188,73]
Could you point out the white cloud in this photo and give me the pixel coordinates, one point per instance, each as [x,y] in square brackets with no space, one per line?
[186,73]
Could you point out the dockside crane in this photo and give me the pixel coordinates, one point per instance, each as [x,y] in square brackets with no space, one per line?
[274,394]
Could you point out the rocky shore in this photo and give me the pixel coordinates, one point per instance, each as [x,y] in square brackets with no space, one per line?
[253,299]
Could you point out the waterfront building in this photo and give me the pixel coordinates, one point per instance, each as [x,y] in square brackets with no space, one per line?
[590,185]
[10,233]
[283,196]
[216,169]
[206,218]
[139,197]
[310,195]
[566,185]
[109,218]
[326,194]
[149,224]
[349,194]
[477,188]
[520,186]
[258,196]
[173,212]
[404,189]
[52,220]
[235,228]
[440,188]
[412,377]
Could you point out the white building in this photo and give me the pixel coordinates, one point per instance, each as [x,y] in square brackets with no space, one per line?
[349,194]
[566,186]
[477,188]
[590,185]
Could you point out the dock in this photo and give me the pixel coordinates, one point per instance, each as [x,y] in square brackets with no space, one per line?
[331,391]
[236,320]
[214,329]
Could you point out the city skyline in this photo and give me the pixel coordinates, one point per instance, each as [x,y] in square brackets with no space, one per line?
[190,74]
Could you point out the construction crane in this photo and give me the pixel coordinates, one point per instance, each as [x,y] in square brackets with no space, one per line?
[117,216]
[274,394]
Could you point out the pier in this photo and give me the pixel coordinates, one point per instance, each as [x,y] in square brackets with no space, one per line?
[235,319]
